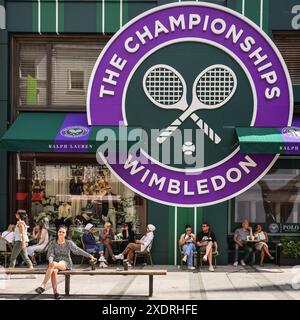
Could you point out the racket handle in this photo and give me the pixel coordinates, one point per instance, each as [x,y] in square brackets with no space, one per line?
[168,131]
[206,129]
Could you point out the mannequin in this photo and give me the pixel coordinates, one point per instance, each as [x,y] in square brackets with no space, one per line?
[64,215]
[76,188]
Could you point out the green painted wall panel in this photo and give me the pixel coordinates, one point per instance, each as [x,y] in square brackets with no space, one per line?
[252,10]
[61,17]
[161,216]
[217,217]
[48,16]
[112,16]
[3,71]
[99,16]
[80,17]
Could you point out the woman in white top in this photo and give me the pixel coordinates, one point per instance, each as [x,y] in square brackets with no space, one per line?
[21,240]
[42,241]
[187,243]
[261,245]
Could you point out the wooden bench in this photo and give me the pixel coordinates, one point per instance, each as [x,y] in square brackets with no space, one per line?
[77,272]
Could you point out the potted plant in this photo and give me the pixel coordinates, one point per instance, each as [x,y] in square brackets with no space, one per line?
[290,251]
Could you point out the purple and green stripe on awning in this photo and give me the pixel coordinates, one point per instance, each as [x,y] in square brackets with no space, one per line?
[55,132]
[284,140]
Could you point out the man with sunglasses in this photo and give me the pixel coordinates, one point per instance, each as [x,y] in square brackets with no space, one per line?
[207,242]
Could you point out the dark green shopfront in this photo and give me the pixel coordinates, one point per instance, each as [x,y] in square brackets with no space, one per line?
[47,51]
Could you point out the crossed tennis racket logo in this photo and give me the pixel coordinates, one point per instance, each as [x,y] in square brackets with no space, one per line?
[212,88]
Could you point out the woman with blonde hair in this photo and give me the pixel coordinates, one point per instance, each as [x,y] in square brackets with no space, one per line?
[106,236]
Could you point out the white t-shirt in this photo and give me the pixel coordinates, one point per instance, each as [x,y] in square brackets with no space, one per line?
[9,236]
[146,240]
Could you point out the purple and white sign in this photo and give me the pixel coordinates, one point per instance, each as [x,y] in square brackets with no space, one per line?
[215,26]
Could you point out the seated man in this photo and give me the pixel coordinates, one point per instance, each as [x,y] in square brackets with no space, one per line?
[139,245]
[187,244]
[92,246]
[206,240]
[239,238]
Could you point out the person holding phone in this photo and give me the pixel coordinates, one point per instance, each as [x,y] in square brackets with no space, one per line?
[187,243]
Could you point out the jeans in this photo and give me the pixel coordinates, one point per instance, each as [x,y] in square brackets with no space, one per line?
[247,249]
[96,248]
[189,249]
[17,249]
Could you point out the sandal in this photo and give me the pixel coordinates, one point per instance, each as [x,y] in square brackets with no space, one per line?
[39,290]
[57,296]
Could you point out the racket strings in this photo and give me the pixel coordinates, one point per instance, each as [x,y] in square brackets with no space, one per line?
[164,86]
[214,86]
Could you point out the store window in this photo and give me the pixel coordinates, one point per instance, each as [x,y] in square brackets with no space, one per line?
[54,73]
[273,202]
[288,44]
[33,75]
[77,194]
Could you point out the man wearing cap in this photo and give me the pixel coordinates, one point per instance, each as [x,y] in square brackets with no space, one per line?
[90,244]
[139,245]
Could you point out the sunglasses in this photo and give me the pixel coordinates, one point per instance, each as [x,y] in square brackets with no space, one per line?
[205,226]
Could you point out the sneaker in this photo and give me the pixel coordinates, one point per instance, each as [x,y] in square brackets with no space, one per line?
[102,259]
[211,269]
[243,262]
[191,268]
[184,258]
[235,263]
[204,258]
[102,265]
[119,256]
[271,258]
[129,264]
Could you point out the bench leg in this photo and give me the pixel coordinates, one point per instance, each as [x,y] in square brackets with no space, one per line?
[150,285]
[67,284]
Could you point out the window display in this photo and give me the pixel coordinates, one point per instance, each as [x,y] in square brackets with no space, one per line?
[274,200]
[75,195]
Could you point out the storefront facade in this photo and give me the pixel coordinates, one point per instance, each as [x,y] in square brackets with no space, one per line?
[48,51]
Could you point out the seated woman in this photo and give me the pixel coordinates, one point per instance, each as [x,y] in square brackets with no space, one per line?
[261,245]
[127,235]
[187,243]
[93,246]
[42,241]
[139,245]
[106,236]
[59,257]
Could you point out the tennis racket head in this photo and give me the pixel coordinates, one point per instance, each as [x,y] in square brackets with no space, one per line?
[165,87]
[214,87]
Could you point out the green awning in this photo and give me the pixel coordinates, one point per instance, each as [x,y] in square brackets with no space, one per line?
[57,132]
[284,140]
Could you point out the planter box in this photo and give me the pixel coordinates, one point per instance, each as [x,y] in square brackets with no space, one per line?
[286,260]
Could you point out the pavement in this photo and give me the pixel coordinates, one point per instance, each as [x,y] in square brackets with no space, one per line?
[226,283]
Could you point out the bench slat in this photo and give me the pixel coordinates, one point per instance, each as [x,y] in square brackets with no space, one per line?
[86,272]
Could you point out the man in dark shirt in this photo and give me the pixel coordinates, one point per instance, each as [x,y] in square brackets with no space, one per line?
[206,240]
